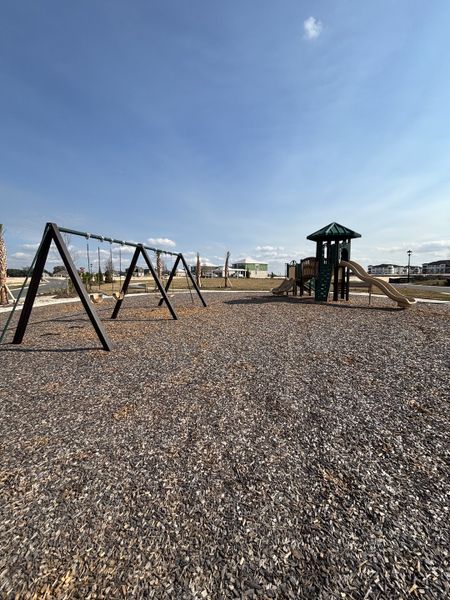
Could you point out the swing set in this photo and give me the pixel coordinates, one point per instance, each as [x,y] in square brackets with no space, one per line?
[53,233]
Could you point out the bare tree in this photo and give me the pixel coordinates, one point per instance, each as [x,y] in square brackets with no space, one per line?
[159,265]
[164,267]
[74,253]
[226,272]
[3,271]
[198,272]
[109,270]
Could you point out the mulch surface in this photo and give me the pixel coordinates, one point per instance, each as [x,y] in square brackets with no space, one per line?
[261,447]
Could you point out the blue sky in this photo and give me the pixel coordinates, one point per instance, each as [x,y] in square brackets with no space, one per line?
[241,126]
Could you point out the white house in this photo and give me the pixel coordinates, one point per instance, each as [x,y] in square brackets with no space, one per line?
[391,269]
[438,267]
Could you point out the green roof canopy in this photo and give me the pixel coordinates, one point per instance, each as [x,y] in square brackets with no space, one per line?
[333,231]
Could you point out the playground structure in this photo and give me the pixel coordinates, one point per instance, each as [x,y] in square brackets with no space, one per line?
[53,233]
[332,264]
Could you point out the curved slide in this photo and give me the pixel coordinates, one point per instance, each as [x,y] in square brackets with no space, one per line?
[284,287]
[388,289]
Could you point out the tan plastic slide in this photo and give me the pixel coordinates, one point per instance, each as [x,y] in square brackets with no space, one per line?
[388,289]
[286,286]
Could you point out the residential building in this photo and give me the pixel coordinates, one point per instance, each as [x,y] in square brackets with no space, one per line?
[210,271]
[437,267]
[205,270]
[252,268]
[138,271]
[391,269]
[220,272]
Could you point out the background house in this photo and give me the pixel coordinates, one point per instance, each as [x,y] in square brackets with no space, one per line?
[252,268]
[391,269]
[437,267]
[205,270]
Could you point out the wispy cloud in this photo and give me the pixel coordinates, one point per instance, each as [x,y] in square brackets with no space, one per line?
[268,249]
[436,246]
[272,253]
[433,246]
[312,28]
[123,250]
[191,259]
[162,241]
[21,255]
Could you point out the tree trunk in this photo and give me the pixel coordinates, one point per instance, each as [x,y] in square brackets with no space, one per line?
[158,267]
[3,264]
[198,272]
[227,278]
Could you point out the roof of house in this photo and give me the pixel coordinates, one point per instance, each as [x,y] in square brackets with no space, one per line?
[333,231]
[438,262]
[249,260]
[386,265]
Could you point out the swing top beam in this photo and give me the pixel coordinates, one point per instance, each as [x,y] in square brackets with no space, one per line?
[103,238]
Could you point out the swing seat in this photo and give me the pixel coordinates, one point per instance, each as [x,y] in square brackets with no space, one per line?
[118,296]
[96,298]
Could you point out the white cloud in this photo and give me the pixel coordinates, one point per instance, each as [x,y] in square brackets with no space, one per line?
[312,28]
[271,252]
[247,259]
[434,246]
[160,241]
[269,249]
[123,250]
[21,255]
[30,246]
[204,260]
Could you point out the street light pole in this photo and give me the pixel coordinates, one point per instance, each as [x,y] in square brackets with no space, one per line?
[409,263]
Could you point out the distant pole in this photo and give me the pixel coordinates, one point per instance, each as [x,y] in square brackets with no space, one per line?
[226,271]
[3,269]
[158,264]
[198,271]
[158,267]
[409,263]
[99,267]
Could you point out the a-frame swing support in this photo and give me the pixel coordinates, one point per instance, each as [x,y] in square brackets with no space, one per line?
[53,234]
[180,258]
[140,249]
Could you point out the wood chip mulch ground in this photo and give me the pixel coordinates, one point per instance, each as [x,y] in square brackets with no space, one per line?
[259,448]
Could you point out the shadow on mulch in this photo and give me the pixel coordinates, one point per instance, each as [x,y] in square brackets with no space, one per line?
[68,319]
[104,315]
[309,301]
[14,348]
[147,320]
[271,299]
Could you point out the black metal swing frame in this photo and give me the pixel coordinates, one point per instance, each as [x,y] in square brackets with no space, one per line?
[52,233]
